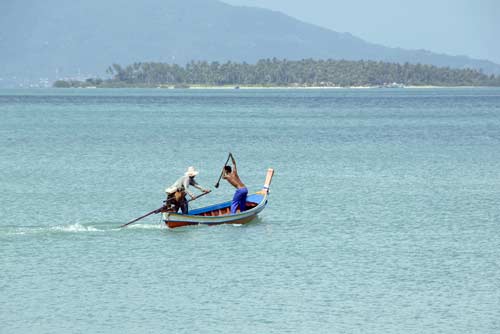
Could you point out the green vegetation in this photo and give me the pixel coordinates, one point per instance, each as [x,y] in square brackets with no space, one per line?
[275,72]
[76,83]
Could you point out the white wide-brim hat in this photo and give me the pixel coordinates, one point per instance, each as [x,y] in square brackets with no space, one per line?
[191,171]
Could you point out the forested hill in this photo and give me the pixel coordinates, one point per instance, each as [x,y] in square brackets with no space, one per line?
[275,72]
[78,38]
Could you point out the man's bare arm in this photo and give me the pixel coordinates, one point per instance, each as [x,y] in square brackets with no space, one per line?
[234,164]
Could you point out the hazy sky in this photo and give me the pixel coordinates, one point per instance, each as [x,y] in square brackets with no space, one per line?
[455,27]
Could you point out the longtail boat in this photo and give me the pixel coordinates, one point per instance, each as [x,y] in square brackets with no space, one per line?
[221,213]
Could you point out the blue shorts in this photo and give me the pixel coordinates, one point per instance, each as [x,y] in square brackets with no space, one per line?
[239,200]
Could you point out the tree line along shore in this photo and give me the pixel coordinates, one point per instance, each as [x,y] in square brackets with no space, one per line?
[284,73]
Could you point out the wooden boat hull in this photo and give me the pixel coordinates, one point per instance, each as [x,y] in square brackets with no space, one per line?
[207,216]
[220,213]
[178,223]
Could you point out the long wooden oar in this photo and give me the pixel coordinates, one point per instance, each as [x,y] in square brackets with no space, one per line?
[222,172]
[147,214]
[159,210]
[200,195]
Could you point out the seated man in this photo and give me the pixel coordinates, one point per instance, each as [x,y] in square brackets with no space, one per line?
[176,193]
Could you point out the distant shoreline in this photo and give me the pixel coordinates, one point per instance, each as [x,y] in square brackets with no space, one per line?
[232,87]
[319,87]
[284,74]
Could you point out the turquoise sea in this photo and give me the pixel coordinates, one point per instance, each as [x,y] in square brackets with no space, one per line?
[383,217]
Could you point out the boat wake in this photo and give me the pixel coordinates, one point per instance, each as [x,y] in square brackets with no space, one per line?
[75,228]
[145,227]
[91,228]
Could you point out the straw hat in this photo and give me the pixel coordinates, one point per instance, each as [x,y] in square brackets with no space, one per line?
[191,171]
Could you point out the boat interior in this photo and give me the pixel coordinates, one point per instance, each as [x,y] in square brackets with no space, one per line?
[222,209]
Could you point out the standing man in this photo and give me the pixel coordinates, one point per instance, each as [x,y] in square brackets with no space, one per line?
[240,196]
[176,193]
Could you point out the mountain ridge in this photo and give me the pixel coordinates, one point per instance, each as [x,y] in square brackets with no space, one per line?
[60,39]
